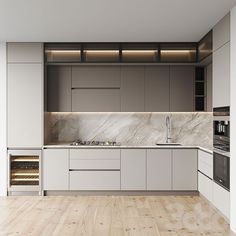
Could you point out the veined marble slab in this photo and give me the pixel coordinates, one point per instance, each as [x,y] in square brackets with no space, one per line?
[189,129]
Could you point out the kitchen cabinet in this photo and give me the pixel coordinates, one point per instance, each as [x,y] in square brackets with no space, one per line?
[157,89]
[221,199]
[25,52]
[59,89]
[221,32]
[132,88]
[95,180]
[96,100]
[159,169]
[181,88]
[25,105]
[185,169]
[133,169]
[205,186]
[209,87]
[205,163]
[221,76]
[55,169]
[96,77]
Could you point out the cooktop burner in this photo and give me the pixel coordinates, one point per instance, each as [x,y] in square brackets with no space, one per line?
[94,143]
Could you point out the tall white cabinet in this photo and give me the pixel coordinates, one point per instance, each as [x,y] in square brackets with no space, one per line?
[221,63]
[25,95]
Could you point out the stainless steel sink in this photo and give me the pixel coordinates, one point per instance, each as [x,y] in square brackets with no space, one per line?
[168,144]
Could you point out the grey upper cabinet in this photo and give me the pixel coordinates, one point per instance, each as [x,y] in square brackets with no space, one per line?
[185,169]
[159,169]
[96,100]
[95,77]
[132,89]
[157,89]
[59,88]
[221,76]
[221,32]
[182,88]
[25,105]
[209,87]
[25,52]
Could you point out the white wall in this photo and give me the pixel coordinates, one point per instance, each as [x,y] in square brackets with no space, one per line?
[3,150]
[233,120]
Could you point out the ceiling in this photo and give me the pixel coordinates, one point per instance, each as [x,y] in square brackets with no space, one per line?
[109,20]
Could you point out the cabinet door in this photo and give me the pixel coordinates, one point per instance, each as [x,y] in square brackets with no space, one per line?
[157,89]
[221,32]
[96,77]
[55,169]
[221,76]
[159,169]
[182,88]
[185,169]
[205,186]
[96,100]
[221,199]
[25,105]
[59,89]
[133,169]
[132,88]
[25,52]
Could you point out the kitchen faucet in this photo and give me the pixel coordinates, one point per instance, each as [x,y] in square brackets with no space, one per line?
[168,129]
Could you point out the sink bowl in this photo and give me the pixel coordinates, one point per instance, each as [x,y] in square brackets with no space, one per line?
[168,144]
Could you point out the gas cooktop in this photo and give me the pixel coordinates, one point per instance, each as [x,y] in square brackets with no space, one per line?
[94,143]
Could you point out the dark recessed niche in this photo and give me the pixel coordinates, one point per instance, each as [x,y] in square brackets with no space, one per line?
[120,52]
[200,89]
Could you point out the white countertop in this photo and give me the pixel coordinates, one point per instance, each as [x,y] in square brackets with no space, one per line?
[67,145]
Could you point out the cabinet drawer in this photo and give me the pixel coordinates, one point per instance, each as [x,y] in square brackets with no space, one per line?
[205,186]
[205,163]
[95,154]
[94,164]
[94,180]
[221,199]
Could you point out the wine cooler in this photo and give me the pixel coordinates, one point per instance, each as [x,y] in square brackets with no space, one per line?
[24,168]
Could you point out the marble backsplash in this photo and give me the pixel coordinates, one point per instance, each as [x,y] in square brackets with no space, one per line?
[130,128]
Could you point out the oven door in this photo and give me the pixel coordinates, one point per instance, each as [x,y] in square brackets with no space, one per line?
[221,170]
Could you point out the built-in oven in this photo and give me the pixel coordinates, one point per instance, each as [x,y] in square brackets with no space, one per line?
[221,128]
[221,169]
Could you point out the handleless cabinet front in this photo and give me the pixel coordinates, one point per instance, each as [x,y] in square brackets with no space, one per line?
[159,169]
[25,105]
[185,169]
[133,169]
[56,169]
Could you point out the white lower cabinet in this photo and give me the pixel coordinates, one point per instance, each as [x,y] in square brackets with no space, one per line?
[95,180]
[55,169]
[133,169]
[205,163]
[185,169]
[221,199]
[159,171]
[205,186]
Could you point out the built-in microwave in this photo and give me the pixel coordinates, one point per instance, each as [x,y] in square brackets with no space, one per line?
[221,128]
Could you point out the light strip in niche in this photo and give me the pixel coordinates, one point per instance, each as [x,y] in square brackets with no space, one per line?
[177,51]
[139,51]
[101,51]
[63,51]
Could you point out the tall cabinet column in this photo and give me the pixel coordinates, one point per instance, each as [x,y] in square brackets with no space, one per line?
[25,95]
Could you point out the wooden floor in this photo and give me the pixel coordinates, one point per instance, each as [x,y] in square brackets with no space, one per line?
[110,215]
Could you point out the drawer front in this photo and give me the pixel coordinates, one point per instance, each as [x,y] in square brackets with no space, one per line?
[95,154]
[94,164]
[205,157]
[205,186]
[205,163]
[94,180]
[206,169]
